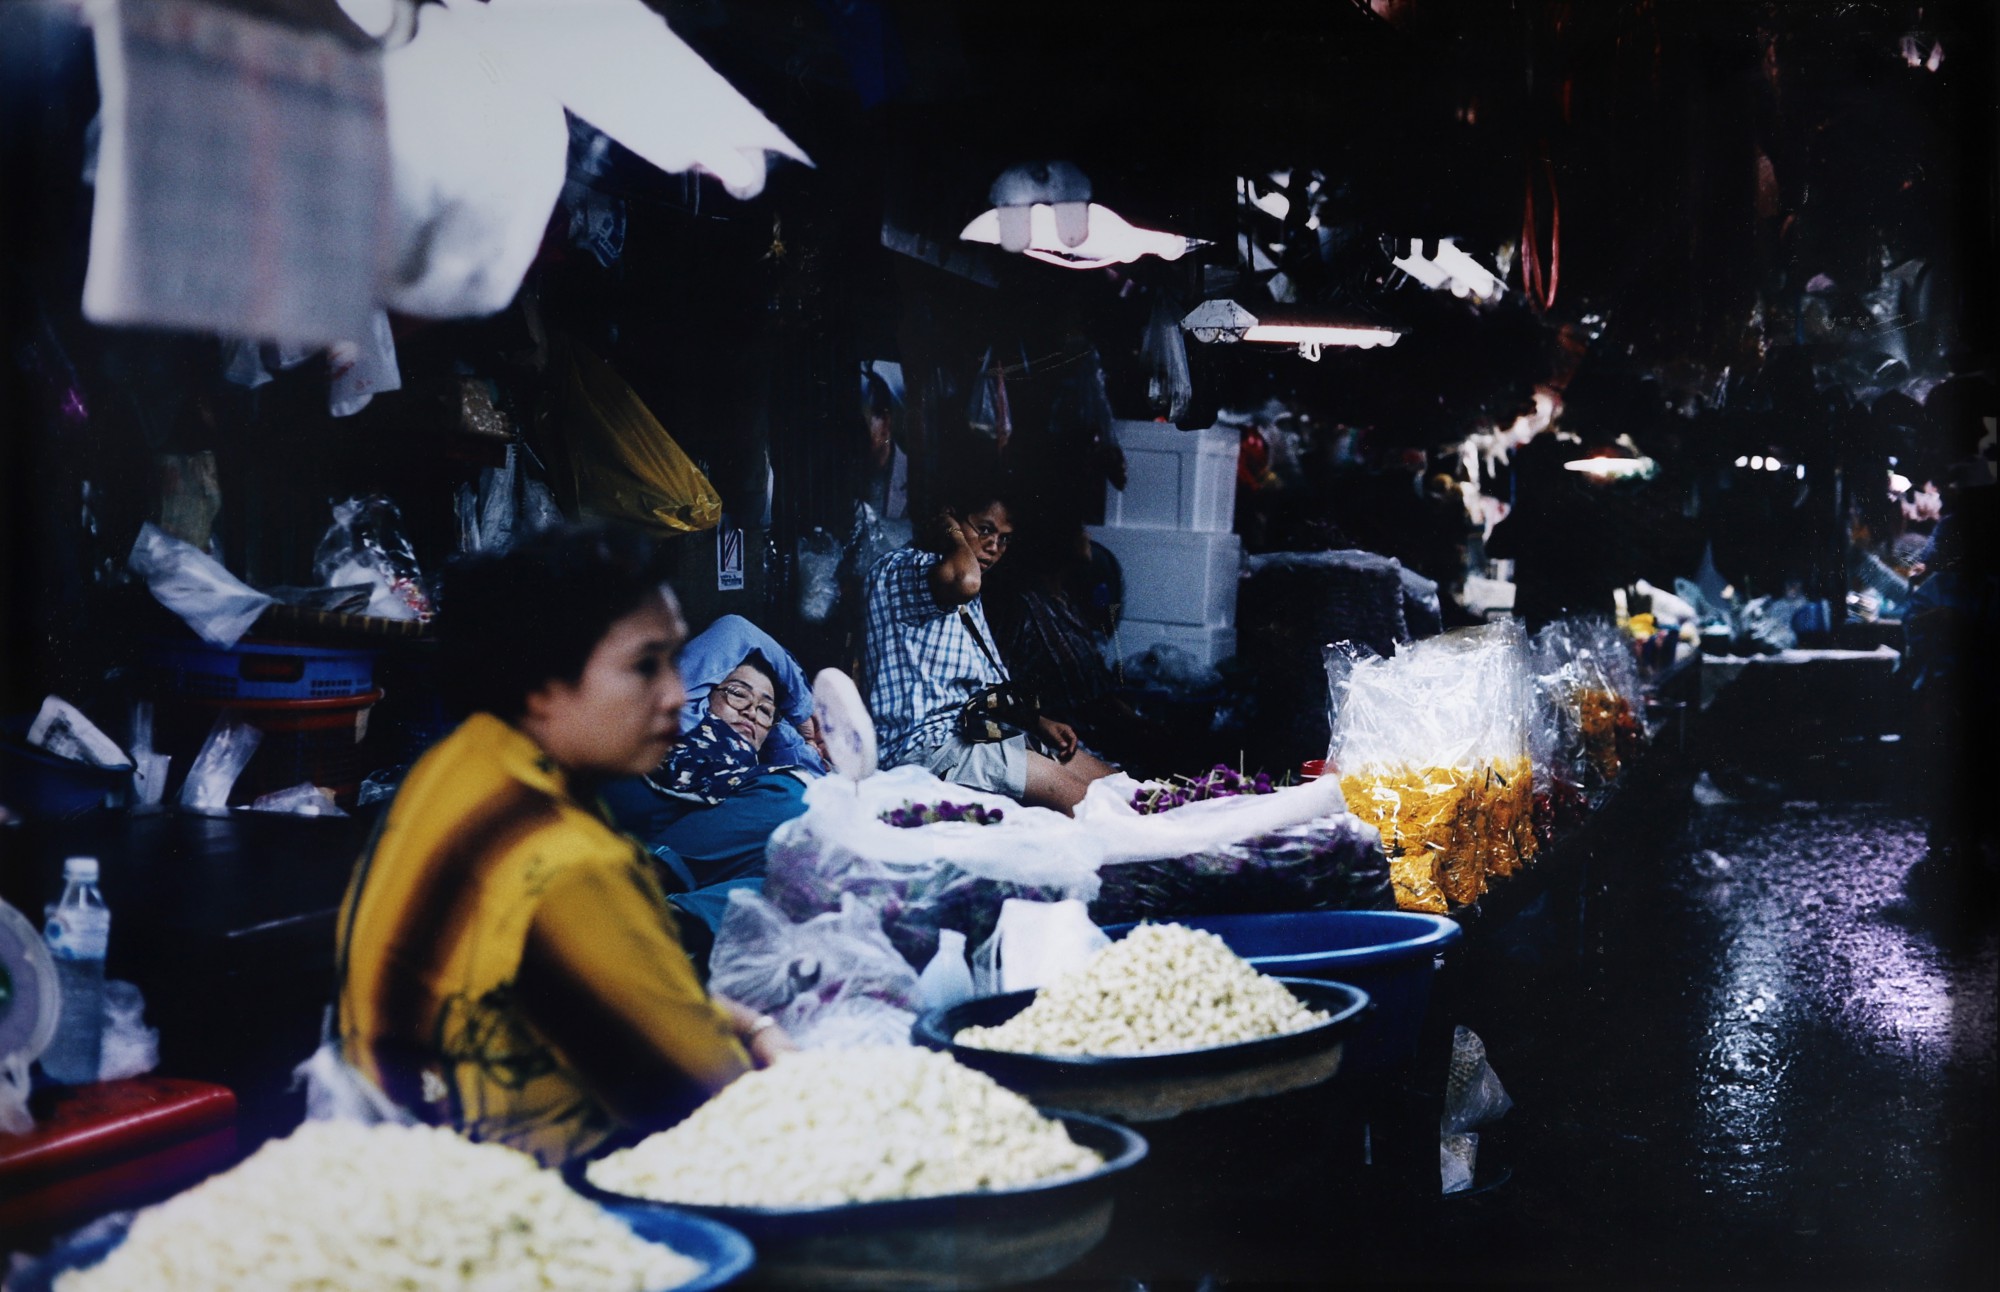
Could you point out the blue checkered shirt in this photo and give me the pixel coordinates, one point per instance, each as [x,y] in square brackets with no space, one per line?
[922,664]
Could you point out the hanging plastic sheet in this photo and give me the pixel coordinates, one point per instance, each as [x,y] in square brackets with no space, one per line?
[624,463]
[241,174]
[188,581]
[478,154]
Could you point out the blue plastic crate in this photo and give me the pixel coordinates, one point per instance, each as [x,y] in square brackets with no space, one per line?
[260,670]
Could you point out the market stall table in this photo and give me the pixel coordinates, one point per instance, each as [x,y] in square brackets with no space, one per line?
[226,924]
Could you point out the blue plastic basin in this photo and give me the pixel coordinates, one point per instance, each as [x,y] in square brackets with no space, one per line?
[39,785]
[1388,954]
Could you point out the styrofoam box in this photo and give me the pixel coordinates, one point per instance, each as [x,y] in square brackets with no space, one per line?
[1175,479]
[1175,577]
[1210,646]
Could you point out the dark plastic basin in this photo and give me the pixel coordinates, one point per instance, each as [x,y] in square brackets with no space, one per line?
[1163,1084]
[1388,954]
[38,784]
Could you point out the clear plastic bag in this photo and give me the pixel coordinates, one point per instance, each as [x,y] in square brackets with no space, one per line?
[1169,388]
[337,1091]
[830,980]
[819,575]
[1588,703]
[304,799]
[366,545]
[1332,864]
[1033,944]
[194,585]
[129,1047]
[224,754]
[1294,849]
[1432,750]
[946,875]
[947,979]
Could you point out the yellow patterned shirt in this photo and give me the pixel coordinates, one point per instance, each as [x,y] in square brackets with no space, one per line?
[509,965]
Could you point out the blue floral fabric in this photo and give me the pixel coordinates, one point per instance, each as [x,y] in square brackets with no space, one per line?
[710,763]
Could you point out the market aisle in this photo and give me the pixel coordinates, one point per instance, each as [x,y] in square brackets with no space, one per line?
[1760,1063]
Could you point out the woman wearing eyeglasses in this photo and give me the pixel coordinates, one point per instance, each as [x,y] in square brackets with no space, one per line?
[747,747]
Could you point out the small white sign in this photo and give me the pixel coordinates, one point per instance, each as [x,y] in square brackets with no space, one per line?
[728,558]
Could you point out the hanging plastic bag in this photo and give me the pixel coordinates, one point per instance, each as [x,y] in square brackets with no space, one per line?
[987,412]
[1169,387]
[949,874]
[366,545]
[832,980]
[215,603]
[625,464]
[819,575]
[224,754]
[1473,1095]
[363,368]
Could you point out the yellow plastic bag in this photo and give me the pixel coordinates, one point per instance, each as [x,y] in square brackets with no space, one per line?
[624,463]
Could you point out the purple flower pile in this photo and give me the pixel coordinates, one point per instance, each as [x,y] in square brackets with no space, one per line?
[1220,782]
[911,815]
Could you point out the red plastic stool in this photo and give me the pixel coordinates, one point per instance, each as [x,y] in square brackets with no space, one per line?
[114,1144]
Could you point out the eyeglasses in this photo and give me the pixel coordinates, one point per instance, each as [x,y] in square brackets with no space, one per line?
[992,535]
[746,701]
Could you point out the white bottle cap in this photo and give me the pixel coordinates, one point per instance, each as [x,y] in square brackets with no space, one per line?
[80,870]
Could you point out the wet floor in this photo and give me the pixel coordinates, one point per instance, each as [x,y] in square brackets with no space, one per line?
[1741,1056]
[1755,1060]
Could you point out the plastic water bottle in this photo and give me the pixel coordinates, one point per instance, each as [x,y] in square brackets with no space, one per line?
[78,929]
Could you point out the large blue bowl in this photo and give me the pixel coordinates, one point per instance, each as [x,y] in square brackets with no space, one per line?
[1388,954]
[723,1254]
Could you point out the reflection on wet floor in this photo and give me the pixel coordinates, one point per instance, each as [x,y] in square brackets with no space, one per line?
[1768,1066]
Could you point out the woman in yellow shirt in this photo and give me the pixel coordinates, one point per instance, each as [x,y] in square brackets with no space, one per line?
[508,963]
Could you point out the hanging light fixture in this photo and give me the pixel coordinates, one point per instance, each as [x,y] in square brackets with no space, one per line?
[1450,270]
[1043,210]
[1226,322]
[1619,460]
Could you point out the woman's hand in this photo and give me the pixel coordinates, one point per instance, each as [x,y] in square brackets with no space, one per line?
[956,534]
[810,732]
[760,1033]
[1060,737]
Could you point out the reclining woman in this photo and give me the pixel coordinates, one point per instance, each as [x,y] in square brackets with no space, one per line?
[507,963]
[739,772]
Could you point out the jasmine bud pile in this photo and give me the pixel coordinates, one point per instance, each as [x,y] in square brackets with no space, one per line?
[826,1127]
[1163,987]
[338,1207]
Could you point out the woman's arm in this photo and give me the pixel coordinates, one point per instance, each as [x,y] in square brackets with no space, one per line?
[604,979]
